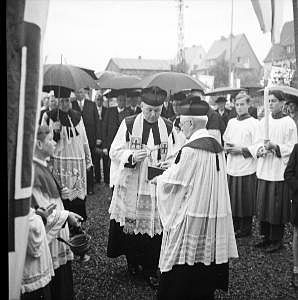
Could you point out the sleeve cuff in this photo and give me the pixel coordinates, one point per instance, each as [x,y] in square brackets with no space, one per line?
[246,153]
[277,151]
[130,164]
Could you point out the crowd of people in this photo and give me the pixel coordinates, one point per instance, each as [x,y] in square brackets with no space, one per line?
[186,181]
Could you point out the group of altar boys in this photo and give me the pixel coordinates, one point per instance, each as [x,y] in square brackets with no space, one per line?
[177,207]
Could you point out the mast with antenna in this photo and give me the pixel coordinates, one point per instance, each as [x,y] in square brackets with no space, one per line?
[231,78]
[181,53]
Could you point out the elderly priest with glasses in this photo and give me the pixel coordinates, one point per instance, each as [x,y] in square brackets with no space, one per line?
[194,206]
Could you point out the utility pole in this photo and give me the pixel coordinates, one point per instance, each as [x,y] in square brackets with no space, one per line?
[231,79]
[295,16]
[181,53]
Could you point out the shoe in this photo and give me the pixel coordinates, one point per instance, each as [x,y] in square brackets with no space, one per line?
[152,281]
[274,247]
[264,243]
[294,280]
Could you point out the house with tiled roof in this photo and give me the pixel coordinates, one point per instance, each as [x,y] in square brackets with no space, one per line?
[282,54]
[245,63]
[139,66]
[194,57]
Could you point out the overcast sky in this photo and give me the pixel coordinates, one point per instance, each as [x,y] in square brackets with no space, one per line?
[89,32]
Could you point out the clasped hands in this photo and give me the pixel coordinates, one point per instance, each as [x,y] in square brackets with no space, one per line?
[233,149]
[268,147]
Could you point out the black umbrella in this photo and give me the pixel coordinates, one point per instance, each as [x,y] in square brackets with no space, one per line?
[172,82]
[225,91]
[62,77]
[290,93]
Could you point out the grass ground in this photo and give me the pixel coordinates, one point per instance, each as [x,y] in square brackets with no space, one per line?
[255,275]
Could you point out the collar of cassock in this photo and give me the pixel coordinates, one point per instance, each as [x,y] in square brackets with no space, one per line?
[155,131]
[63,118]
[278,115]
[243,117]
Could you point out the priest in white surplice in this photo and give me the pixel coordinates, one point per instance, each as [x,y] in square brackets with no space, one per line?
[194,206]
[142,141]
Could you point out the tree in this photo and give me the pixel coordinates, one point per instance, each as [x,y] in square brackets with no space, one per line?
[220,71]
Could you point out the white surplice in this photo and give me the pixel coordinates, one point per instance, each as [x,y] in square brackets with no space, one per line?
[38,266]
[242,133]
[133,202]
[71,158]
[283,132]
[194,205]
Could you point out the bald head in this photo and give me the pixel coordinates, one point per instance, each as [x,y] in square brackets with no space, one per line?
[190,124]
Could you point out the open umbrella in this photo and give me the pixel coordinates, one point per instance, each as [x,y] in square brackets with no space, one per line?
[118,82]
[172,82]
[127,92]
[291,94]
[225,91]
[60,77]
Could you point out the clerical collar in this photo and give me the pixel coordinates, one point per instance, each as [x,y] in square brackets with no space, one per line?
[243,117]
[41,162]
[198,134]
[120,109]
[278,115]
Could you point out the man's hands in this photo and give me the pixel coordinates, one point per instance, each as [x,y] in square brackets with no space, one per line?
[270,146]
[45,212]
[105,151]
[139,155]
[233,149]
[164,164]
[65,191]
[98,142]
[74,219]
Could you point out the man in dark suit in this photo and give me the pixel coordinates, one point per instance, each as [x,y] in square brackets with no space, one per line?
[99,146]
[134,109]
[90,116]
[223,114]
[111,122]
[167,110]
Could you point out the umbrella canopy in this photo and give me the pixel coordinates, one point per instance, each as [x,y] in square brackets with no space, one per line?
[90,72]
[118,82]
[67,76]
[172,82]
[127,92]
[291,94]
[225,91]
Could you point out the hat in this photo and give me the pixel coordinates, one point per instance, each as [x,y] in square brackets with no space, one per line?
[194,106]
[154,96]
[220,99]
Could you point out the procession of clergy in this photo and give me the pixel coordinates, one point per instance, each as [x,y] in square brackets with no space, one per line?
[182,191]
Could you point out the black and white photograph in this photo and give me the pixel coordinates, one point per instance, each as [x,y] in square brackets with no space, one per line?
[152,149]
